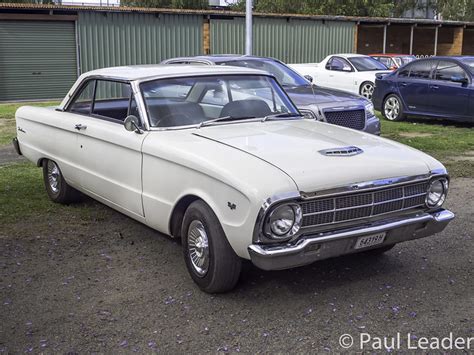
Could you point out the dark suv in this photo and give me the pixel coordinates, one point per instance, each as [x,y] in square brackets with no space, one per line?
[314,102]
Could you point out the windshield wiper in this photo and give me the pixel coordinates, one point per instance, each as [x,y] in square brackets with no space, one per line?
[281,115]
[219,119]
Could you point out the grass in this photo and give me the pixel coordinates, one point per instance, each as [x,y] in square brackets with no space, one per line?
[449,142]
[23,197]
[7,119]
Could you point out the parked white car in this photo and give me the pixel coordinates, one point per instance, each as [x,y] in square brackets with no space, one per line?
[349,72]
[245,178]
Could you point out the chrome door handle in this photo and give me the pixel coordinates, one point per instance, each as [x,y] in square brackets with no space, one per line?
[80,127]
[403,84]
[435,87]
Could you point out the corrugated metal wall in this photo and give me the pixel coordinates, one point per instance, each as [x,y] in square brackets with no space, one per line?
[111,39]
[293,41]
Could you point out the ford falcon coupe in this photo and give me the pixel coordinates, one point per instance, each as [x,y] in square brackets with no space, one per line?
[438,87]
[313,101]
[220,158]
[349,72]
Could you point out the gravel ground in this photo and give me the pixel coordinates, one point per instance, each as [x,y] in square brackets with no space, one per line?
[8,155]
[109,284]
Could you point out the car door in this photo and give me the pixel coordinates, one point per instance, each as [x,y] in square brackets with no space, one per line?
[110,157]
[339,74]
[449,90]
[413,83]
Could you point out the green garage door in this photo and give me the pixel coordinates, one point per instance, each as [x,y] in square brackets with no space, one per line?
[37,59]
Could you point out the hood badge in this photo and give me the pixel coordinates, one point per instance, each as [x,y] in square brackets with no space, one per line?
[341,151]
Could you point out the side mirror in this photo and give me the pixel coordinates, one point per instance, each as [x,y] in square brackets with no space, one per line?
[346,69]
[309,78]
[132,123]
[459,79]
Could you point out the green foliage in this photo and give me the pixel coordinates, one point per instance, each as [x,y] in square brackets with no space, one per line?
[323,7]
[175,4]
[449,9]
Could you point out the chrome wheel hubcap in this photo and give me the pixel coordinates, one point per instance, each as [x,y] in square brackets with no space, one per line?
[392,108]
[367,91]
[198,247]
[53,176]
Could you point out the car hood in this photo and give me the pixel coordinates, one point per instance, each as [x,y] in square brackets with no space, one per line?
[294,147]
[307,95]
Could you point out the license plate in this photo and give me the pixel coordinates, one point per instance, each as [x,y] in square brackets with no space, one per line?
[370,240]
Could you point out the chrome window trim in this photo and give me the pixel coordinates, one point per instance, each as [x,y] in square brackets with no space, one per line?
[367,186]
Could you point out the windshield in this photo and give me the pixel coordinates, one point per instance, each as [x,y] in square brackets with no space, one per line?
[469,62]
[284,75]
[190,101]
[366,64]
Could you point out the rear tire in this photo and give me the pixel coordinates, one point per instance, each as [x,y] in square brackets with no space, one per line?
[367,89]
[210,260]
[57,188]
[392,108]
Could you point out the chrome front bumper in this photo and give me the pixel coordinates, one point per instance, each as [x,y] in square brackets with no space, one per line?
[331,244]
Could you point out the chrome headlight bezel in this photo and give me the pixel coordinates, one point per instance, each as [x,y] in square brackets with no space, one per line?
[308,114]
[369,109]
[436,192]
[276,214]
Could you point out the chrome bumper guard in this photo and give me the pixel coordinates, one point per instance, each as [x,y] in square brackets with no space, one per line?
[321,246]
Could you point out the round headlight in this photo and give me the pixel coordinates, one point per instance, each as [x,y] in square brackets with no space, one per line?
[436,193]
[285,220]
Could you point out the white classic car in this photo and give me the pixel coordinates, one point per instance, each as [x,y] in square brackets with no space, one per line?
[220,158]
[349,72]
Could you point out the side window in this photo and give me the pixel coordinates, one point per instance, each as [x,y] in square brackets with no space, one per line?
[385,61]
[338,64]
[83,102]
[421,69]
[216,96]
[446,71]
[404,72]
[112,99]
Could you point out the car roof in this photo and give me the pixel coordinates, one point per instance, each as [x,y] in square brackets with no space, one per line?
[219,58]
[144,72]
[391,55]
[348,55]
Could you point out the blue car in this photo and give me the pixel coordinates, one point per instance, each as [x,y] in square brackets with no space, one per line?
[439,87]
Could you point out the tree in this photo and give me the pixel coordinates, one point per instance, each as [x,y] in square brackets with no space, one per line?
[448,9]
[175,4]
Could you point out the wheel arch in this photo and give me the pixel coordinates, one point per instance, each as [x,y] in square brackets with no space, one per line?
[365,82]
[40,162]
[177,214]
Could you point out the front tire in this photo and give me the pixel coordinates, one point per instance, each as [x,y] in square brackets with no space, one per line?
[392,108]
[210,260]
[367,89]
[57,188]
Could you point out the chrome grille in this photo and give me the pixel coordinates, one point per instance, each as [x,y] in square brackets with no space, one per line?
[363,204]
[351,118]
